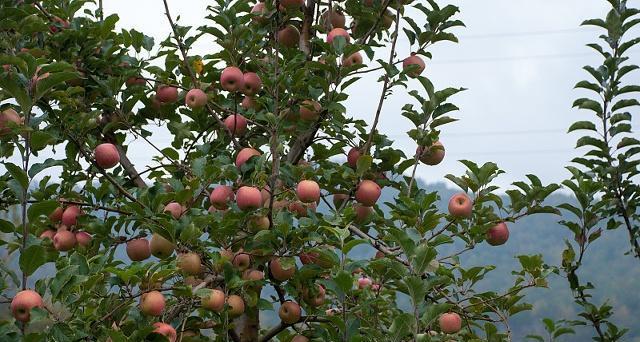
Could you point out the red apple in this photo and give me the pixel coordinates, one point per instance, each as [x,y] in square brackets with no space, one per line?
[308,191]
[152,303]
[106,155]
[413,60]
[314,298]
[83,239]
[56,215]
[249,102]
[167,94]
[450,323]
[300,208]
[48,234]
[138,249]
[252,275]
[362,212]
[334,19]
[64,240]
[278,272]
[236,123]
[291,4]
[236,305]
[231,79]
[364,282]
[135,81]
[259,10]
[175,209]
[244,155]
[338,32]
[8,118]
[498,234]
[252,83]
[242,261]
[214,301]
[289,36]
[353,59]
[460,206]
[353,156]
[70,215]
[189,263]
[166,330]
[310,110]
[433,155]
[221,196]
[290,312]
[160,247]
[368,193]
[249,198]
[23,302]
[195,98]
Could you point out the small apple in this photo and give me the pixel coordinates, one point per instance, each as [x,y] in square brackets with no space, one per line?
[48,234]
[308,191]
[450,323]
[433,155]
[189,263]
[56,215]
[368,193]
[498,234]
[289,36]
[248,198]
[310,110]
[242,261]
[291,4]
[290,312]
[165,330]
[314,298]
[9,118]
[252,275]
[300,208]
[364,282]
[106,155]
[214,301]
[411,61]
[167,94]
[221,196]
[362,212]
[279,272]
[259,10]
[244,155]
[252,84]
[138,249]
[64,240]
[460,206]
[23,302]
[353,156]
[249,102]
[236,305]
[333,19]
[353,59]
[258,223]
[338,32]
[70,215]
[231,79]
[236,124]
[195,98]
[83,239]
[160,247]
[152,303]
[175,209]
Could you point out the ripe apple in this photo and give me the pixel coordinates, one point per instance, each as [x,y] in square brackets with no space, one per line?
[248,198]
[214,301]
[23,302]
[242,261]
[58,24]
[244,155]
[160,247]
[300,338]
[460,205]
[433,155]
[106,155]
[8,118]
[339,200]
[310,110]
[231,79]
[249,102]
[138,249]
[189,263]
[236,305]
[353,156]
[364,282]
[166,330]
[48,234]
[175,209]
[70,215]
[498,234]
[64,240]
[289,36]
[167,94]
[221,196]
[314,298]
[152,303]
[338,32]
[290,312]
[450,323]
[368,193]
[334,19]
[379,255]
[259,10]
[353,59]
[308,191]
[252,83]
[362,212]
[195,98]
[83,238]
[252,275]
[56,215]
[413,60]
[236,123]
[278,272]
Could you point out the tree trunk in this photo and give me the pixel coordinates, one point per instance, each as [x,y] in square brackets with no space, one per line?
[247,326]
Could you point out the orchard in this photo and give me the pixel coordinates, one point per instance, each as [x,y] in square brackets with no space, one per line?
[269,184]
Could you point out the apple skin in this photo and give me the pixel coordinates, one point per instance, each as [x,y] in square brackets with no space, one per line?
[152,303]
[166,330]
[249,198]
[83,239]
[244,155]
[48,234]
[498,234]
[364,282]
[221,196]
[339,200]
[310,110]
[189,263]
[259,10]
[353,156]
[106,155]
[64,240]
[334,18]
[353,59]
[160,247]
[249,102]
[252,83]
[70,215]
[231,79]
[368,193]
[236,124]
[252,275]
[214,301]
[433,156]
[56,215]
[460,206]
[300,338]
[308,191]
[290,312]
[138,249]
[167,94]
[278,272]
[413,60]
[175,209]
[300,208]
[338,32]
[450,323]
[195,99]
[362,213]
[242,261]
[315,299]
[289,36]
[291,4]
[23,302]
[8,116]
[236,305]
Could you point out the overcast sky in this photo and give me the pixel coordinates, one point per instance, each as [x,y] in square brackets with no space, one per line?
[519,59]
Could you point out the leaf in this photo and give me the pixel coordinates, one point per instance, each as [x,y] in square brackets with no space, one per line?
[18,174]
[363,164]
[423,255]
[40,140]
[39,167]
[582,125]
[45,84]
[6,226]
[43,208]
[11,86]
[32,258]
[625,103]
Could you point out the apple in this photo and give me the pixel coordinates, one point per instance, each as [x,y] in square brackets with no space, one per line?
[138,249]
[175,209]
[368,193]
[231,79]
[411,61]
[214,301]
[135,81]
[289,36]
[152,303]
[248,198]
[379,255]
[450,323]
[189,263]
[70,215]
[236,305]
[258,223]
[290,312]
[9,117]
[362,212]
[249,102]
[339,200]
[259,10]
[221,196]
[353,156]
[165,330]
[236,123]
[460,206]
[58,24]
[167,94]
[160,247]
[195,98]
[333,19]
[83,239]
[314,298]
[498,234]
[376,287]
[299,338]
[252,275]
[48,234]
[300,208]
[106,155]
[64,240]
[56,215]
[308,191]
[353,59]
[338,32]
[310,110]
[364,282]
[23,302]
[242,261]
[244,155]
[279,272]
[252,83]
[433,155]
[291,4]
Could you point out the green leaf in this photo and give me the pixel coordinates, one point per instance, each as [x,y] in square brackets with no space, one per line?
[32,258]
[45,84]
[40,140]
[582,125]
[18,174]
[14,89]
[423,255]
[363,164]
[43,208]
[6,226]
[39,167]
